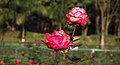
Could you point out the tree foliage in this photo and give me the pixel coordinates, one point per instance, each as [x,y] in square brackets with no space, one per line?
[15,13]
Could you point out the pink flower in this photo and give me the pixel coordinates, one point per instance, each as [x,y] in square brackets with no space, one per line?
[77,16]
[17,61]
[31,61]
[59,40]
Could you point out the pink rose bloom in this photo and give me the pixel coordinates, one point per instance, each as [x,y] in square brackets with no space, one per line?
[59,40]
[31,61]
[77,16]
[17,61]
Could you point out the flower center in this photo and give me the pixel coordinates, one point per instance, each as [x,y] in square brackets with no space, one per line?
[73,19]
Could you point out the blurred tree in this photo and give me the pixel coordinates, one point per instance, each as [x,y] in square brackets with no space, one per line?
[15,12]
[19,10]
[108,9]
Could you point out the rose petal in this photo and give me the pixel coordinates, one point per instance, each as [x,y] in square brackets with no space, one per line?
[78,14]
[47,36]
[74,19]
[73,11]
[44,41]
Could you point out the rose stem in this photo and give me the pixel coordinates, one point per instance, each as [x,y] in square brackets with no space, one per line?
[74,30]
[56,58]
[64,59]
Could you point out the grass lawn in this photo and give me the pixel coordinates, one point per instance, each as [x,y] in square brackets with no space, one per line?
[13,39]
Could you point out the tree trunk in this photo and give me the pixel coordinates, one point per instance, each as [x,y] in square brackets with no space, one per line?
[13,28]
[98,24]
[84,31]
[118,29]
[23,34]
[106,27]
[107,22]
[23,31]
[102,43]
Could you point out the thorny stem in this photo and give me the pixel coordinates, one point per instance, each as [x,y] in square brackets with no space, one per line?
[73,31]
[56,58]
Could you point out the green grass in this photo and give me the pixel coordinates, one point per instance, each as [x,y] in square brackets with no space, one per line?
[42,55]
[94,40]
[14,39]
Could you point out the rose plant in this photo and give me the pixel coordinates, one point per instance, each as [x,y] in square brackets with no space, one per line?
[59,40]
